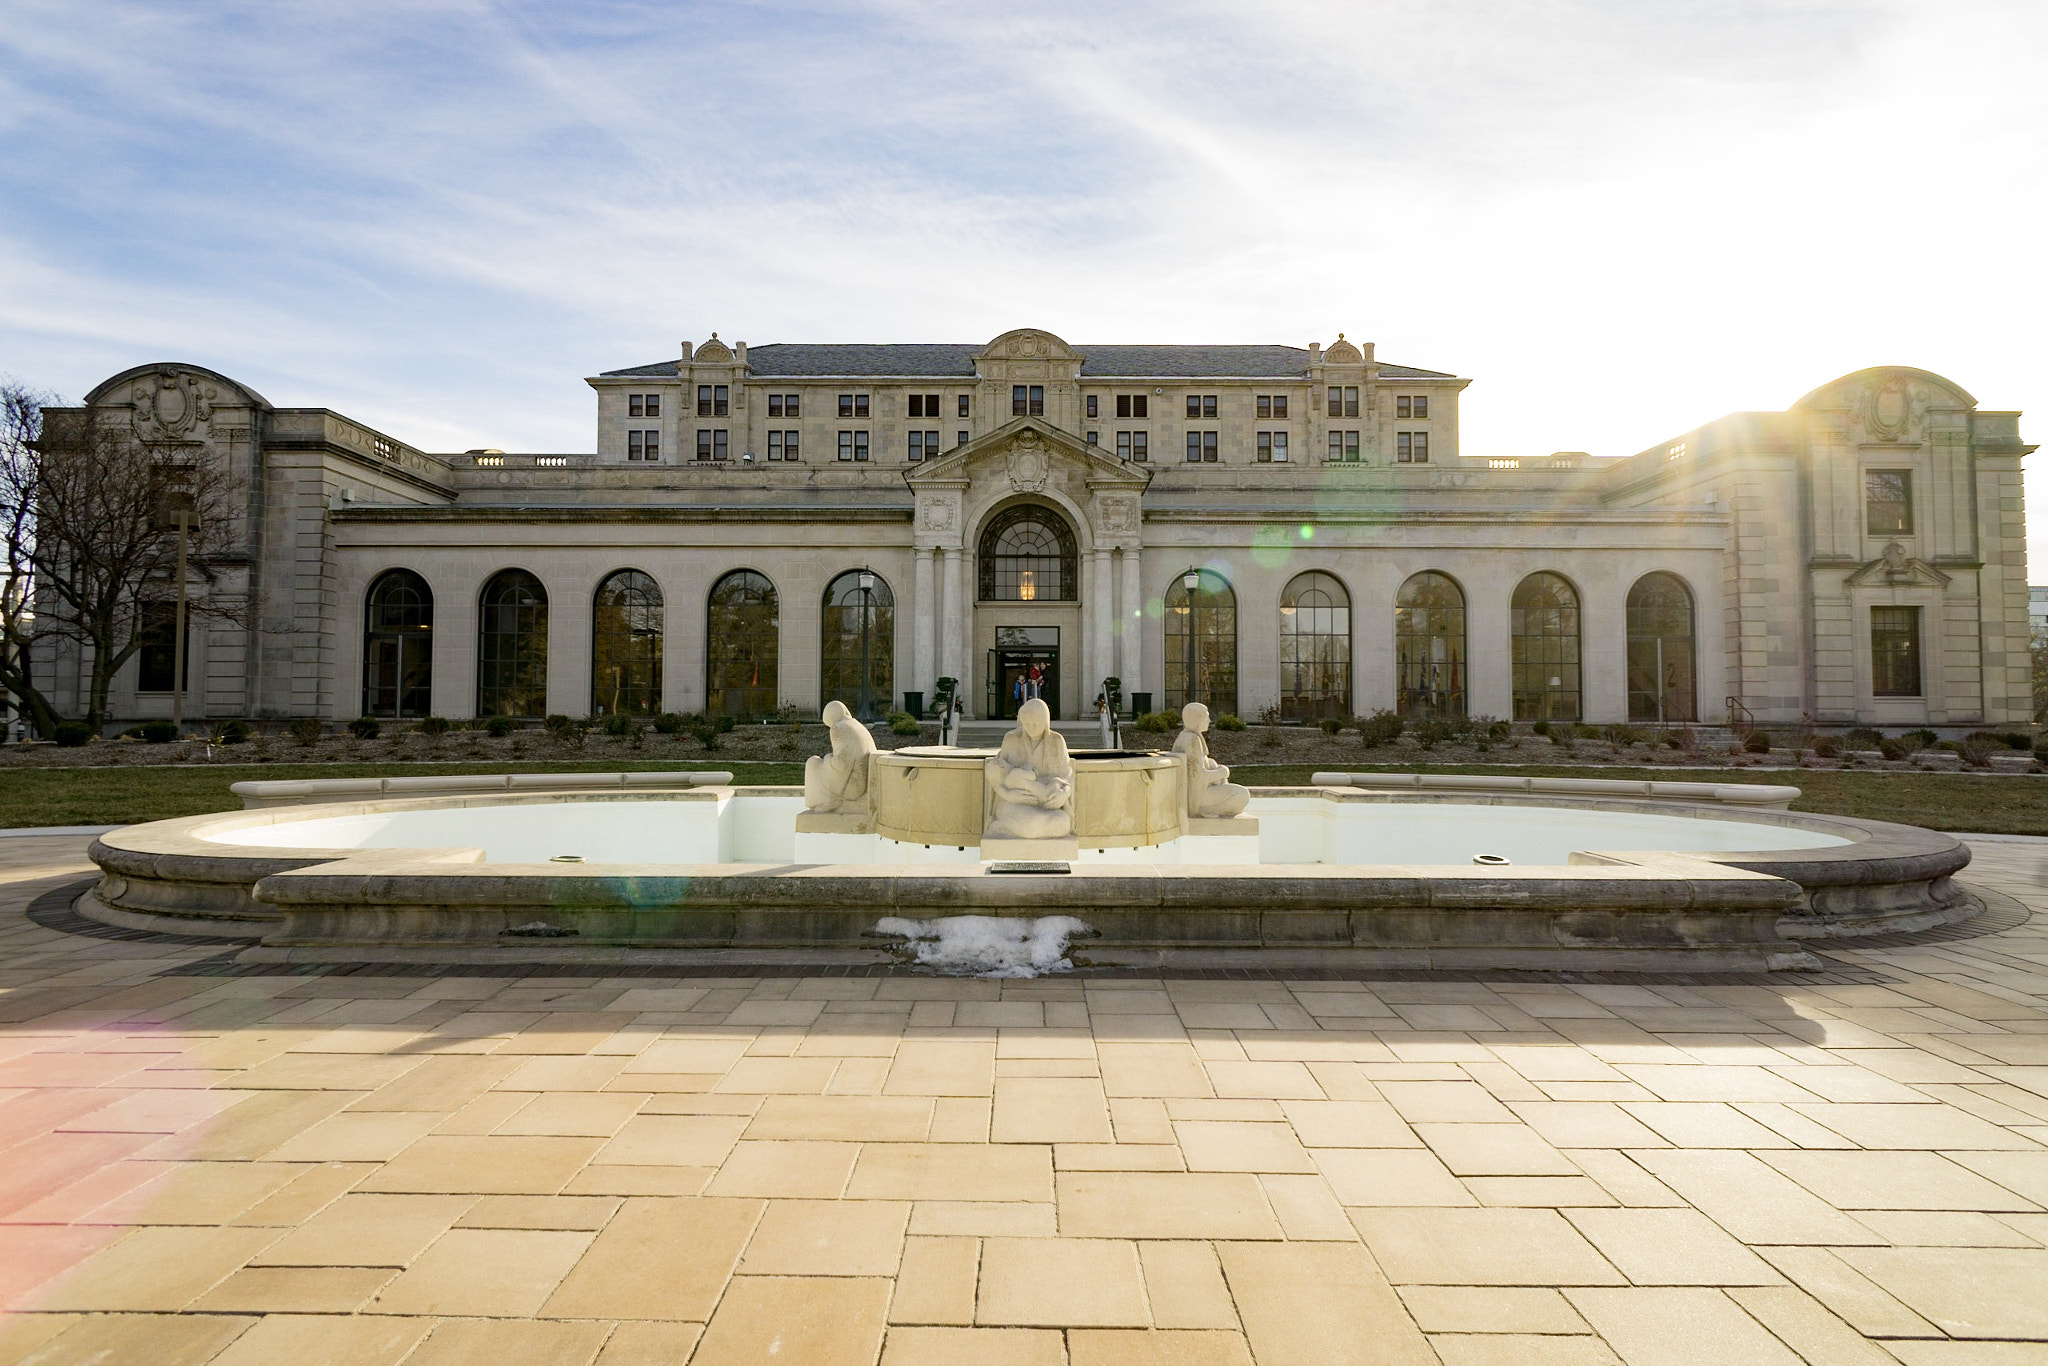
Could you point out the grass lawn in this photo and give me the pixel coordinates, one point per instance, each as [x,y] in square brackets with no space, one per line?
[2012,805]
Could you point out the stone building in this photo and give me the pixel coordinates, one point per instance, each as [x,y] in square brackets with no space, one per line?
[1258,527]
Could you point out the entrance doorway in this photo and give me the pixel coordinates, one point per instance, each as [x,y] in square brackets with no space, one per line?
[1019,650]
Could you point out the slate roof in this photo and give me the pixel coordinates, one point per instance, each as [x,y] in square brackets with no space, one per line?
[951,360]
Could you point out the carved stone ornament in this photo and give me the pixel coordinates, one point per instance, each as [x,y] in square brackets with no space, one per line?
[1030,464]
[171,404]
[1119,515]
[938,515]
[1887,407]
[1025,346]
[1895,561]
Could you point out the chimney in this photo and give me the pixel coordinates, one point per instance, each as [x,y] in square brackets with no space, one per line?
[1315,353]
[686,353]
[739,354]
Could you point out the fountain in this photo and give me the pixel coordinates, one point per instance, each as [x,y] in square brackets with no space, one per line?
[1154,858]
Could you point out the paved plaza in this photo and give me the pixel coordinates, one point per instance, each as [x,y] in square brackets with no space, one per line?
[363,1168]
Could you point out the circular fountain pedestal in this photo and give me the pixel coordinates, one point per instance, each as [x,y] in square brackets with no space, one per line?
[937,795]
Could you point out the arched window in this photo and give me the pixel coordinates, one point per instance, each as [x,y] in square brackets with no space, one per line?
[1661,684]
[744,645]
[625,646]
[858,649]
[1027,555]
[1315,648]
[398,646]
[1201,642]
[1429,646]
[512,653]
[1543,635]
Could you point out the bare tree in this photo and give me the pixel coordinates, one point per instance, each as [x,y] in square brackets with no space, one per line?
[21,423]
[83,503]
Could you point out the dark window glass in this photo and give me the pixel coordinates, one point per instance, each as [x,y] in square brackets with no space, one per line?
[1429,646]
[704,400]
[1201,644]
[512,652]
[1265,448]
[1315,649]
[398,641]
[625,646]
[1266,406]
[1543,636]
[775,445]
[1123,445]
[1336,401]
[1888,502]
[1123,405]
[846,405]
[1139,404]
[633,447]
[1351,401]
[1093,406]
[917,405]
[1028,555]
[858,651]
[157,658]
[654,405]
[960,438]
[720,401]
[1141,446]
[775,405]
[1422,405]
[792,405]
[721,444]
[743,646]
[1020,401]
[963,405]
[1402,408]
[1660,650]
[1895,651]
[703,443]
[1038,400]
[1194,406]
[633,408]
[1280,407]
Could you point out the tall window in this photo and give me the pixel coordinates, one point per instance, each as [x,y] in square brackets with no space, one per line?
[156,659]
[1411,406]
[924,446]
[1411,448]
[625,646]
[1027,400]
[1543,635]
[1134,445]
[1272,405]
[853,445]
[743,632]
[785,445]
[512,652]
[1344,446]
[1133,405]
[859,645]
[1201,642]
[785,405]
[853,405]
[1315,648]
[1429,646]
[1895,651]
[714,400]
[1888,502]
[1272,448]
[643,445]
[1028,555]
[1344,401]
[713,444]
[398,646]
[1661,684]
[1202,407]
[924,405]
[1201,448]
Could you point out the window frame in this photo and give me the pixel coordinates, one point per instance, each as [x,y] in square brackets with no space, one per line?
[1912,657]
[1904,503]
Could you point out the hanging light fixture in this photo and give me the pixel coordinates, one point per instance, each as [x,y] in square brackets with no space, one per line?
[1191,580]
[867,581]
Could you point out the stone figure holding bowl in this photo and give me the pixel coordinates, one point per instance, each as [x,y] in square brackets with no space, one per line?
[1031,779]
[1211,794]
[837,783]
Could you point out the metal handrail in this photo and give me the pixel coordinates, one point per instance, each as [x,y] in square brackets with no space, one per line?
[1740,719]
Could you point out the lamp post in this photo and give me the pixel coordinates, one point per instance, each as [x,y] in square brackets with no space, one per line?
[180,513]
[1191,583]
[867,604]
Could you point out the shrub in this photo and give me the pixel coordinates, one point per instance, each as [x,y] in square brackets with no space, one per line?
[1429,732]
[1588,732]
[433,727]
[1497,730]
[1540,727]
[72,734]
[307,730]
[230,732]
[559,725]
[158,732]
[1623,735]
[500,727]
[1331,725]
[705,730]
[1921,738]
[617,725]
[1826,746]
[1978,749]
[726,723]
[1158,722]
[1229,722]
[2013,739]
[2041,754]
[365,728]
[1863,737]
[1562,736]
[1893,749]
[669,723]
[903,723]
[1757,743]
[1681,738]
[1381,728]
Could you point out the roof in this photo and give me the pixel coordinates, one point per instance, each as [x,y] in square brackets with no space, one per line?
[945,360]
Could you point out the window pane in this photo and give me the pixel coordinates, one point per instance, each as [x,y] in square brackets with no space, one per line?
[1888,496]
[743,646]
[512,654]
[1315,649]
[1201,644]
[1544,649]
[859,645]
[1028,554]
[1660,650]
[1895,651]
[625,646]
[1429,647]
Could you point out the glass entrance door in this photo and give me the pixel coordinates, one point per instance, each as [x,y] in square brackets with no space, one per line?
[1024,664]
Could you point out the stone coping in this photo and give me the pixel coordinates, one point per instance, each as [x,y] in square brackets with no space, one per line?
[1737,794]
[297,792]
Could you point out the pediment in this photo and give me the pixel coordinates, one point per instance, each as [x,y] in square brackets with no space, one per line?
[1896,569]
[1028,344]
[1028,453]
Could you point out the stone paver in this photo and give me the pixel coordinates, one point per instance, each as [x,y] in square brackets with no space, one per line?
[595,1170]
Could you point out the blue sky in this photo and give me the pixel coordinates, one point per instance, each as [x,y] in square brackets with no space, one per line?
[1621,219]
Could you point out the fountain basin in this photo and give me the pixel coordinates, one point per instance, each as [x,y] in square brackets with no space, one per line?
[1339,876]
[929,795]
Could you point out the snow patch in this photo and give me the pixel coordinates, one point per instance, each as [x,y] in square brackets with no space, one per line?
[989,945]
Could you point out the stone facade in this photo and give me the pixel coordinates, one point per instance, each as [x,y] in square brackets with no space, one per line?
[1764,518]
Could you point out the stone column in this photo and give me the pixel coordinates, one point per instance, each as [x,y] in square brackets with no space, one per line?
[964,628]
[924,627]
[1131,622]
[1103,627]
[948,625]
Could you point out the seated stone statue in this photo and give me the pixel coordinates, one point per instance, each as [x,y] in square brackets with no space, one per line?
[838,782]
[1031,779]
[1211,794]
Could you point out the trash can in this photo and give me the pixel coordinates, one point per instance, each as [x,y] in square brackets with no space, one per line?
[913,702]
[1141,703]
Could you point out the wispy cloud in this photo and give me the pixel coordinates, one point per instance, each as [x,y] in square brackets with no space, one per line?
[1621,219]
